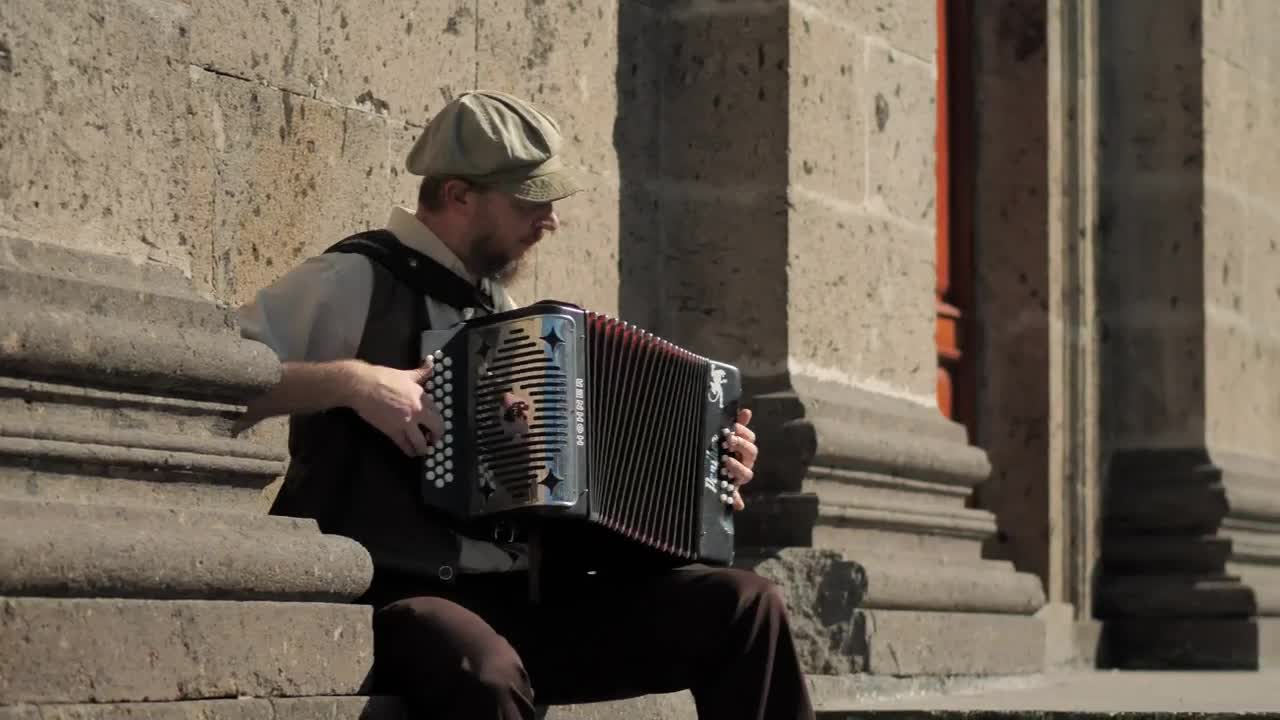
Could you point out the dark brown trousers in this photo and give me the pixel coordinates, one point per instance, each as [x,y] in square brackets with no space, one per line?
[480,650]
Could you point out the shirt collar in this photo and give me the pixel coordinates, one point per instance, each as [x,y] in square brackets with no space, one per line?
[409,230]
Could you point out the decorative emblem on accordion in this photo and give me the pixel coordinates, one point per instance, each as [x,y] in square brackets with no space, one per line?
[553,413]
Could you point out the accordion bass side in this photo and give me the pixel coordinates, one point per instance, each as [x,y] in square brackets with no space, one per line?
[567,420]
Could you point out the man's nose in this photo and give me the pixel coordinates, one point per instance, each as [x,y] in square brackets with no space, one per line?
[551,221]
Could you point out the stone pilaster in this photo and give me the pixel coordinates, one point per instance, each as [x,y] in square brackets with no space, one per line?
[1191,507]
[797,241]
[136,560]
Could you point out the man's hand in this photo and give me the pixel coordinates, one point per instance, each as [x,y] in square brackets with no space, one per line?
[394,402]
[741,443]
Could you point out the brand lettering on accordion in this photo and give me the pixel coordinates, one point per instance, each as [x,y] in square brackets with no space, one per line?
[559,416]
[580,410]
[713,466]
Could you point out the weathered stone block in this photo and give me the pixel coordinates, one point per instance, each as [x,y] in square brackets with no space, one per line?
[1239,113]
[264,40]
[725,96]
[860,298]
[96,138]
[906,25]
[1242,33]
[827,599]
[948,643]
[303,708]
[671,706]
[52,549]
[580,262]
[722,277]
[403,184]
[1240,413]
[1156,227]
[901,148]
[587,64]
[827,115]
[405,60]
[1164,402]
[294,176]
[75,651]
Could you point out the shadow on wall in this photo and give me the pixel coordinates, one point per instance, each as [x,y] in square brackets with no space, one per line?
[1163,595]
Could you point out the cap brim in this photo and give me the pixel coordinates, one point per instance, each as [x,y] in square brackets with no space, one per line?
[550,187]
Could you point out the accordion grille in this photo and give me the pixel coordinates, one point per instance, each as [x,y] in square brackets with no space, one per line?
[645,418]
[515,464]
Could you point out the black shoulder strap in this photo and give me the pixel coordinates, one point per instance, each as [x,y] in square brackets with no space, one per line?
[415,269]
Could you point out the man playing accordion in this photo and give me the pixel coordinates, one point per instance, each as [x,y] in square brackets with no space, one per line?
[454,631]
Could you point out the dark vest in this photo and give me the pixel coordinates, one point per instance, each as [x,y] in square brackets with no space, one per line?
[343,472]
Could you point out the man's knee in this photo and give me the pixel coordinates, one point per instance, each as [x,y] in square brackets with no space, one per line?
[439,642]
[748,592]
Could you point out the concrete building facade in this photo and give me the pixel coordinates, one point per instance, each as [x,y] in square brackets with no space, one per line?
[1003,277]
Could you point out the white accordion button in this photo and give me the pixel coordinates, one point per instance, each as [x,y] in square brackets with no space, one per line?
[448,387]
[448,399]
[448,412]
[448,477]
[448,452]
[439,482]
[438,355]
[448,465]
[448,361]
[448,375]
[448,425]
[724,485]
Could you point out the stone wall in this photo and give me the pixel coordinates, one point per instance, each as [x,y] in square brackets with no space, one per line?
[1242,222]
[229,140]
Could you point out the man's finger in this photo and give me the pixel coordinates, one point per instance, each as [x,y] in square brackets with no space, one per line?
[737,501]
[739,472]
[424,370]
[429,418]
[744,416]
[744,432]
[417,440]
[744,450]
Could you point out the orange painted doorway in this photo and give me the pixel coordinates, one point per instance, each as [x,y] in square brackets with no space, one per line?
[957,385]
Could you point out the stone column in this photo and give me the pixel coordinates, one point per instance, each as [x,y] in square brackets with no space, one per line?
[1187,292]
[136,560]
[796,194]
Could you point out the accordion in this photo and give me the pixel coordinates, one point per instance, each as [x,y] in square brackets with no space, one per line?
[583,428]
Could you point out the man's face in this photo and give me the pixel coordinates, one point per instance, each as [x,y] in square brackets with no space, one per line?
[505,227]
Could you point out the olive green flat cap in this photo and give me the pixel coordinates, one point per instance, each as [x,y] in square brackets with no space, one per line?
[496,140]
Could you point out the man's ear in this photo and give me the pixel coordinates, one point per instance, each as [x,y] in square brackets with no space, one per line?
[456,192]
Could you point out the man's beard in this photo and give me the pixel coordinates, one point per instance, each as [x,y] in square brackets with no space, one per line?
[492,262]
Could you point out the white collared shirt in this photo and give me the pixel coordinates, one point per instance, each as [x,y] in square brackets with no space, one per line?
[317,311]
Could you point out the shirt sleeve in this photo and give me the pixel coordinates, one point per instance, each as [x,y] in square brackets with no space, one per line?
[316,312]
